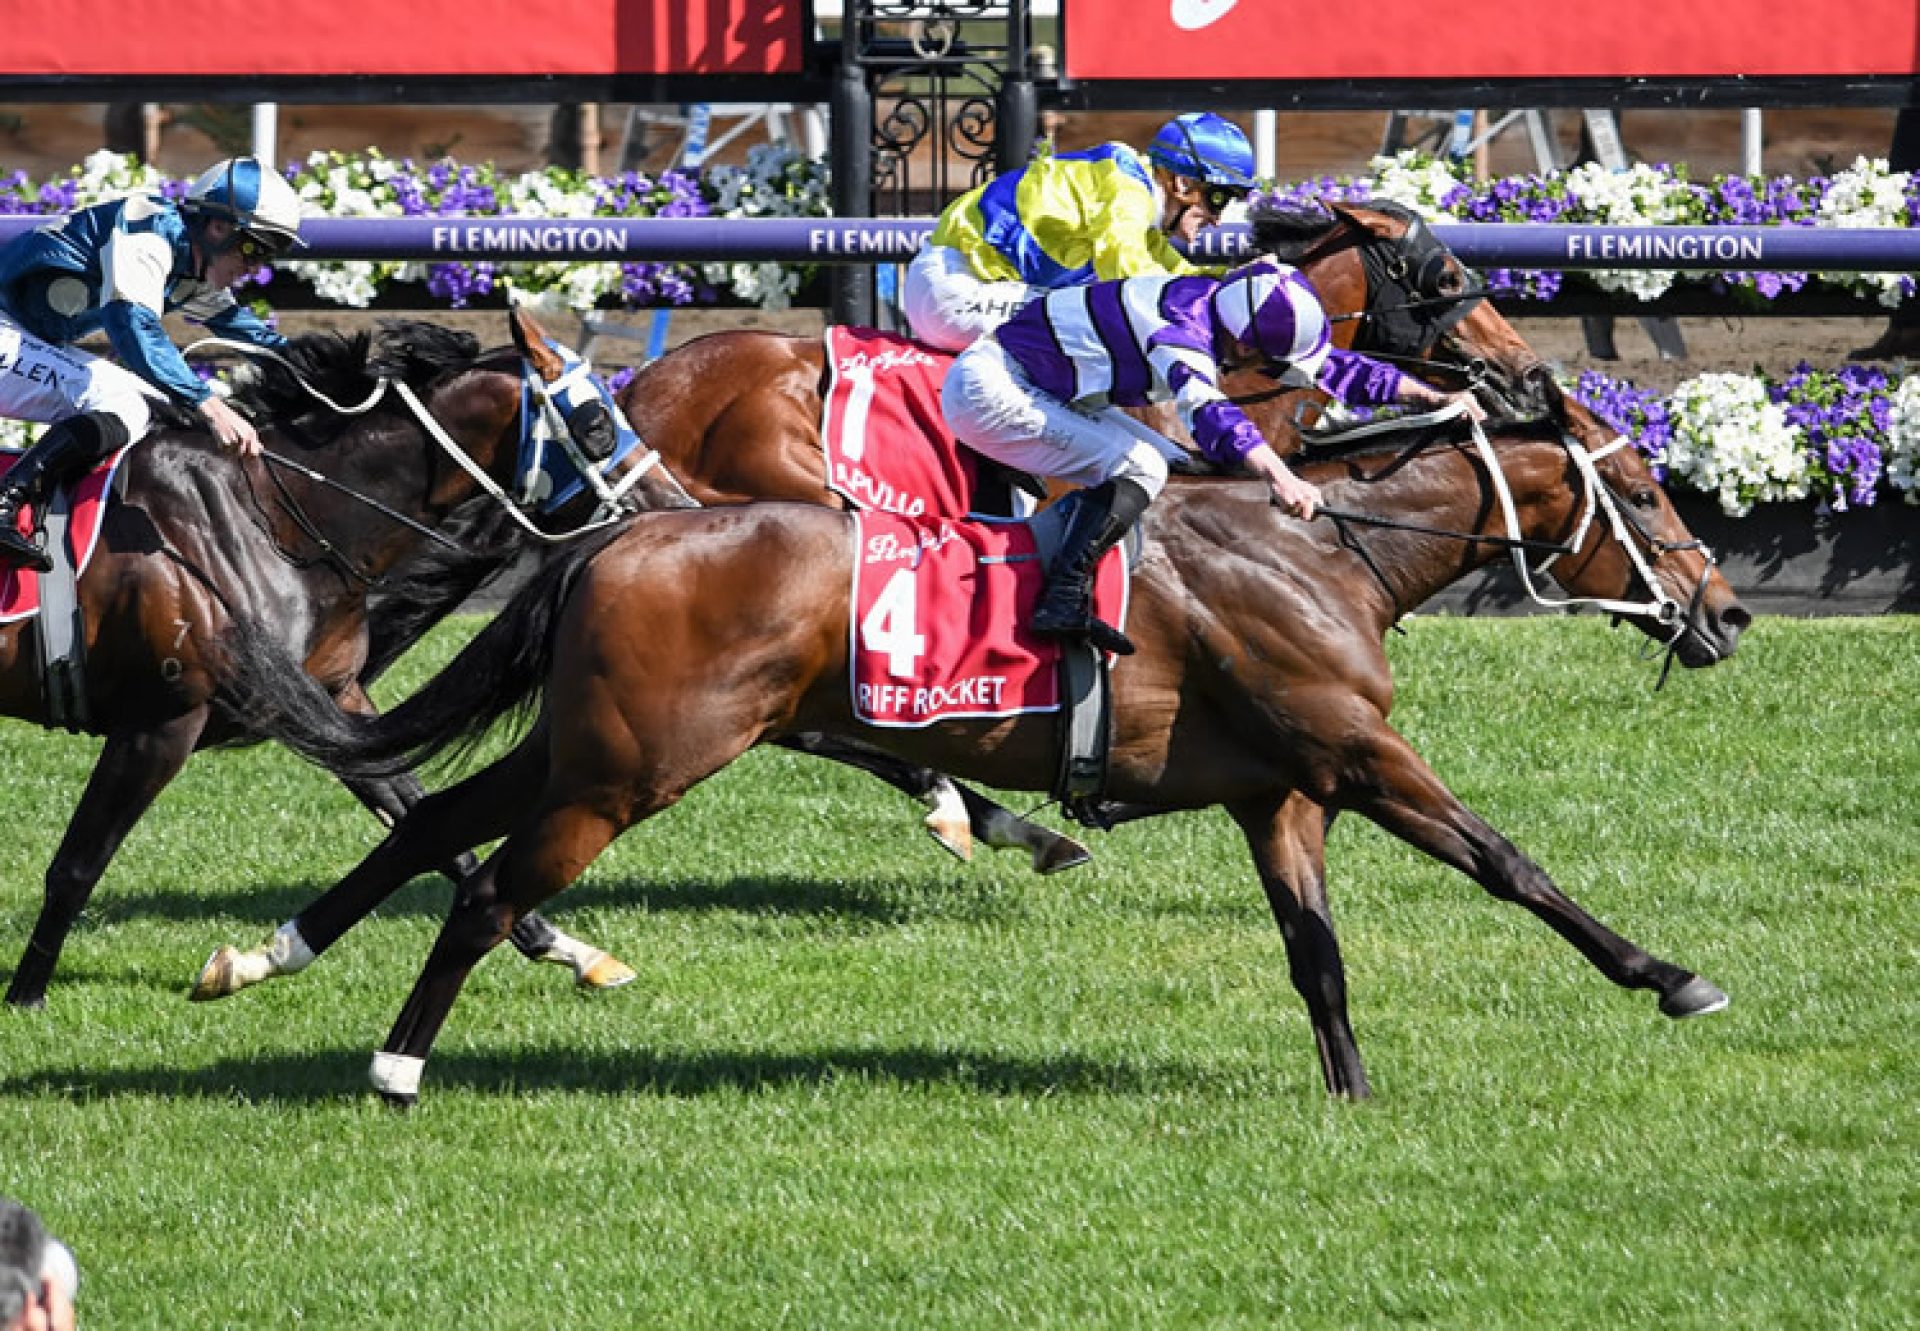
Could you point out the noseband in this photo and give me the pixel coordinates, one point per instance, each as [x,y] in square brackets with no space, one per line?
[1643,548]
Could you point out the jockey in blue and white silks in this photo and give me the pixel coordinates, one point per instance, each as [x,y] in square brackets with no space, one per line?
[116,268]
[1068,219]
[1038,395]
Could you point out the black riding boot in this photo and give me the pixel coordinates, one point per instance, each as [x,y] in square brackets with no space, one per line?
[67,449]
[1101,516]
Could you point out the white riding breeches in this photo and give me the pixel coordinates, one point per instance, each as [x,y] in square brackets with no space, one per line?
[948,306]
[993,407]
[42,382]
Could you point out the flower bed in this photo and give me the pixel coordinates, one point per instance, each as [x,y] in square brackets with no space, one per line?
[1841,440]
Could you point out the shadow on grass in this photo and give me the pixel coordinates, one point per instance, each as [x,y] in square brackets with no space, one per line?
[871,899]
[340,1075]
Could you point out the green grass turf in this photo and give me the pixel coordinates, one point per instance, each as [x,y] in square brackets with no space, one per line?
[858,1084]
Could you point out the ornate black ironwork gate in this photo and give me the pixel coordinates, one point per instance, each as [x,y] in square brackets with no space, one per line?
[931,98]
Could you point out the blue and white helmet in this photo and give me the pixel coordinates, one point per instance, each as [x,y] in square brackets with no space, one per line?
[255,198]
[1205,147]
[1260,306]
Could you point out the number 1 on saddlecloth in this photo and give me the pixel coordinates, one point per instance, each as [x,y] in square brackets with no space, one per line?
[853,422]
[889,625]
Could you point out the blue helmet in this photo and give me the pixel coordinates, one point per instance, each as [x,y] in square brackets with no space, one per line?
[1203,146]
[255,198]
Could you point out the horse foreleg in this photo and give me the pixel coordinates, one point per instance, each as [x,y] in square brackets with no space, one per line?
[1397,790]
[434,831]
[1288,842]
[134,767]
[956,814]
[534,937]
[533,864]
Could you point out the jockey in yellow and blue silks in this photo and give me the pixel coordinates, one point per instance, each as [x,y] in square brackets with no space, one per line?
[1073,218]
[116,268]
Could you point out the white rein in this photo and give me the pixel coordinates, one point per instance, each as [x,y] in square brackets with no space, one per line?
[613,506]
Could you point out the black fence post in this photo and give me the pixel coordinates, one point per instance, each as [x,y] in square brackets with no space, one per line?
[851,141]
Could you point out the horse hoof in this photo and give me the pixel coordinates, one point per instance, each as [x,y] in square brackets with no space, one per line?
[1695,998]
[1060,854]
[604,971]
[397,1101]
[216,977]
[954,838]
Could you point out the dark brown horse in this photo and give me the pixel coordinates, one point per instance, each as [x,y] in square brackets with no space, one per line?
[737,417]
[1260,685]
[292,542]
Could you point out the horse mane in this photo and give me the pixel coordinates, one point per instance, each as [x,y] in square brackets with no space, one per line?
[1289,228]
[345,366]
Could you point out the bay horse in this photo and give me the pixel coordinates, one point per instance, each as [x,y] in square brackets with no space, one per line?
[661,652]
[737,416]
[293,542]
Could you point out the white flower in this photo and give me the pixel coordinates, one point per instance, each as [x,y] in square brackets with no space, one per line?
[351,284]
[109,175]
[1903,440]
[1731,441]
[1415,180]
[1866,195]
[1638,196]
[19,434]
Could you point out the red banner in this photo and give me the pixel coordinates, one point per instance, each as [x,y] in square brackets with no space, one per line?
[1489,39]
[418,38]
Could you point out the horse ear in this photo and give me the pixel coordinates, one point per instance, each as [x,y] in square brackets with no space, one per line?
[530,339]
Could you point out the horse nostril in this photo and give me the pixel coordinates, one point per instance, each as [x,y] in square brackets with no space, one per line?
[1736,618]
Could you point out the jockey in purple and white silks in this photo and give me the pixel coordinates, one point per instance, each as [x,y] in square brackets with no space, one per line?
[116,268]
[1039,394]
[1067,219]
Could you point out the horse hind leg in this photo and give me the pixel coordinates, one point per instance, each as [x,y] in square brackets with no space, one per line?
[436,830]
[1288,843]
[133,768]
[534,936]
[532,865]
[1003,829]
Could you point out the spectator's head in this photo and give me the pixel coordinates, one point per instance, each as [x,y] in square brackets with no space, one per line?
[38,1279]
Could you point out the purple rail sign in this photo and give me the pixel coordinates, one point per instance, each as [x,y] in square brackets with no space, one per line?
[894,240]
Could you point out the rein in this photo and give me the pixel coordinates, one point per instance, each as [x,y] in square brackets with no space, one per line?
[613,499]
[1599,498]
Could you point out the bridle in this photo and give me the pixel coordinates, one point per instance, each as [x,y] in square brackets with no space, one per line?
[1406,305]
[1599,501]
[544,421]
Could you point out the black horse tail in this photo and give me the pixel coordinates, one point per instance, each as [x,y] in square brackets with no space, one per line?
[502,671]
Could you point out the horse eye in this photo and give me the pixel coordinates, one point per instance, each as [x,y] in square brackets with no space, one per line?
[1644,497]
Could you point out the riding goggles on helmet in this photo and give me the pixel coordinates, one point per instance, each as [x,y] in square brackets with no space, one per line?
[259,247]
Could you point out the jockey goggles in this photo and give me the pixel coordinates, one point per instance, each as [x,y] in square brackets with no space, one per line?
[255,247]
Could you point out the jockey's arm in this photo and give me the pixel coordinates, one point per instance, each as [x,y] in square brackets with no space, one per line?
[231,319]
[144,348]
